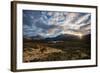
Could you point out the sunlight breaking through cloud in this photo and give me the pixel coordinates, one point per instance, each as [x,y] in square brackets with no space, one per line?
[52,23]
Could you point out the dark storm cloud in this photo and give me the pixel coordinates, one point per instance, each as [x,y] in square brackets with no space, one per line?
[52,23]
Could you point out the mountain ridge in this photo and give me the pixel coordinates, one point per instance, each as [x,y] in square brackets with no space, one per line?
[62,37]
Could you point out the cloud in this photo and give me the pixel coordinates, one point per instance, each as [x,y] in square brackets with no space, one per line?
[52,23]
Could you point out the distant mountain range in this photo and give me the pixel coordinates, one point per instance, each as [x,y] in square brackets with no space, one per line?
[62,37]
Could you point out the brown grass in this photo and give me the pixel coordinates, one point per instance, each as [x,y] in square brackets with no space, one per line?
[34,52]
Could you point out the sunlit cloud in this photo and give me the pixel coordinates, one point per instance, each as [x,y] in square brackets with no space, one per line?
[52,23]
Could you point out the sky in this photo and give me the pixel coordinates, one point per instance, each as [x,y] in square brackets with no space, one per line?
[54,23]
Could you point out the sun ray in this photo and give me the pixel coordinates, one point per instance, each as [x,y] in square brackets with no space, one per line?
[78,34]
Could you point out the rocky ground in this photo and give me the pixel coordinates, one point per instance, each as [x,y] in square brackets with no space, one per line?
[42,52]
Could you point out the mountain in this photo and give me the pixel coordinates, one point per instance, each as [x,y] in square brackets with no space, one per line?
[33,38]
[63,37]
[38,37]
[87,38]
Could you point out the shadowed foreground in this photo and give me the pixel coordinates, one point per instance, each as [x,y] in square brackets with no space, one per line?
[35,51]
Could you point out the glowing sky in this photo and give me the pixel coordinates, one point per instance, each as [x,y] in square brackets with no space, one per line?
[54,23]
